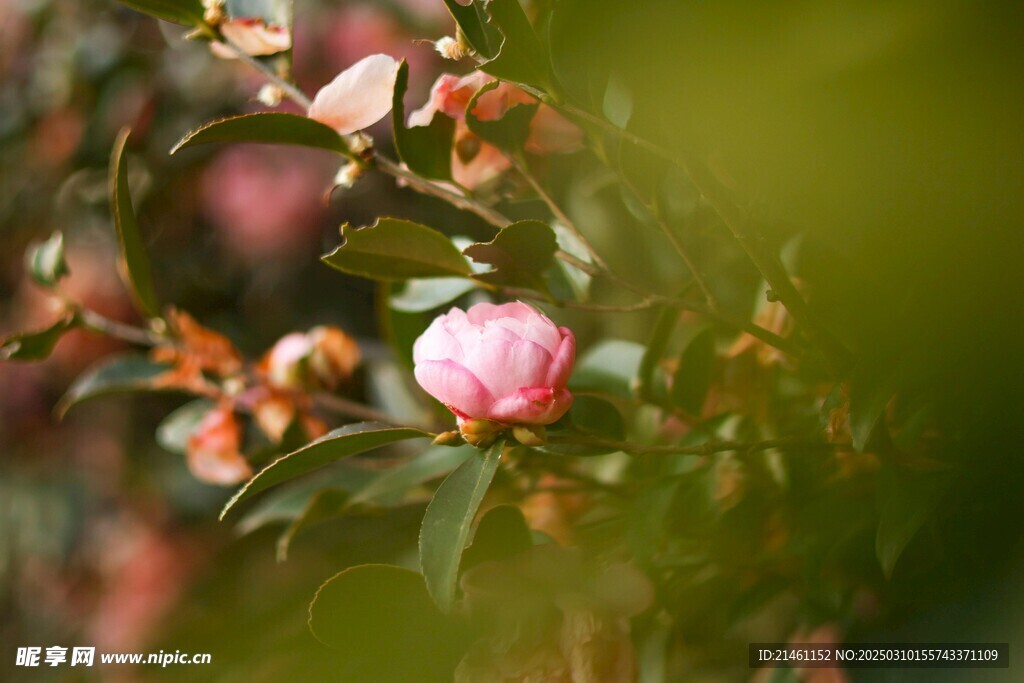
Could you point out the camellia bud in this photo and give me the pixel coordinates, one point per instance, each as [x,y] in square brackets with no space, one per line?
[270,95]
[481,433]
[348,175]
[452,438]
[530,435]
[449,48]
[213,12]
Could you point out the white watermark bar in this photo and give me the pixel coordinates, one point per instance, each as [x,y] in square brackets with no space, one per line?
[57,655]
[881,655]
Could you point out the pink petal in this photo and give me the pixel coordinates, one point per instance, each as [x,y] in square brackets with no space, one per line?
[565,357]
[436,343]
[439,92]
[454,386]
[489,163]
[531,405]
[482,312]
[253,37]
[358,97]
[504,367]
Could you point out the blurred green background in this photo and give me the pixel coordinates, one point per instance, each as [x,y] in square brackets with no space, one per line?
[878,143]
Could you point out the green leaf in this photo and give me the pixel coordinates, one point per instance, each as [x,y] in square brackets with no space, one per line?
[45,262]
[588,417]
[473,20]
[419,296]
[617,104]
[692,379]
[324,504]
[384,627]
[869,397]
[136,263]
[510,131]
[502,533]
[394,483]
[276,128]
[905,501]
[396,249]
[522,58]
[341,443]
[448,519]
[426,150]
[520,253]
[649,389]
[609,367]
[186,12]
[271,11]
[115,375]
[176,429]
[37,345]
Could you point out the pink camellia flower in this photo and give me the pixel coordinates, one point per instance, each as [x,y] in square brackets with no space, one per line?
[550,132]
[358,97]
[253,37]
[506,363]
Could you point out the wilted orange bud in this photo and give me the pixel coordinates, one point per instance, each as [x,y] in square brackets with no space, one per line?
[335,355]
[200,348]
[322,358]
[214,449]
[273,415]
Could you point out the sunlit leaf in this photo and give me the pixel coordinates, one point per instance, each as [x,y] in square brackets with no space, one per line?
[522,58]
[520,253]
[423,295]
[510,131]
[39,344]
[133,253]
[381,622]
[426,150]
[474,22]
[396,249]
[448,520]
[176,429]
[119,374]
[610,366]
[276,128]
[45,262]
[341,443]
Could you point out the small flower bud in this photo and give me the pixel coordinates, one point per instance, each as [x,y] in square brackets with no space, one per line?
[452,438]
[359,142]
[213,12]
[480,433]
[270,95]
[348,175]
[530,435]
[449,48]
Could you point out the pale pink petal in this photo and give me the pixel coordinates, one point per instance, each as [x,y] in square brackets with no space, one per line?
[439,92]
[454,386]
[489,163]
[533,405]
[253,37]
[436,343]
[358,97]
[565,357]
[482,312]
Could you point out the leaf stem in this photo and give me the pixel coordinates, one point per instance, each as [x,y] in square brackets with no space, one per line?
[707,448]
[118,330]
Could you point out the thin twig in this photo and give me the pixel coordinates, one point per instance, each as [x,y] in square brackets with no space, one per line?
[343,406]
[706,448]
[429,187]
[288,87]
[118,330]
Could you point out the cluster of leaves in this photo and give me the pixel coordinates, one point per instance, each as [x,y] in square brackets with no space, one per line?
[737,459]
